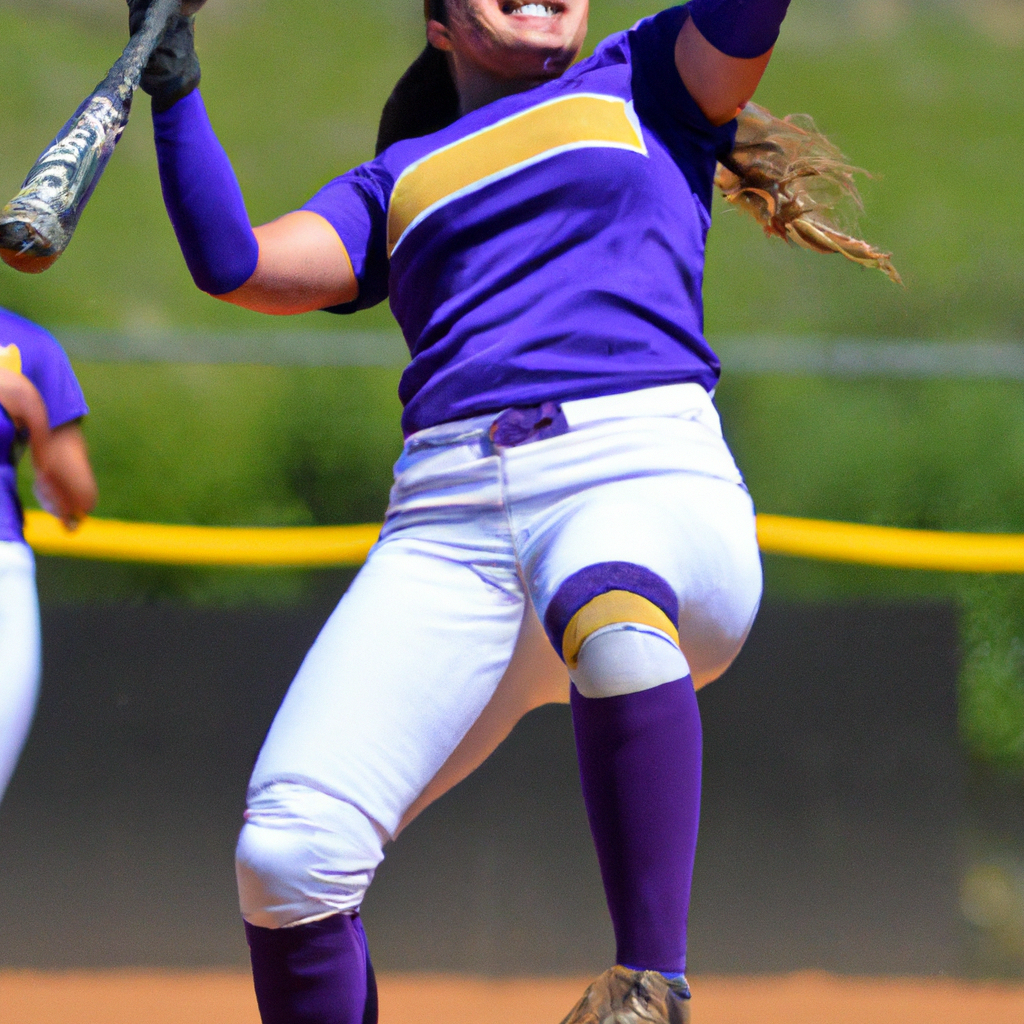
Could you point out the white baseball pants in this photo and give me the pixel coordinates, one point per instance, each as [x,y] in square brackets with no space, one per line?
[19,653]
[437,650]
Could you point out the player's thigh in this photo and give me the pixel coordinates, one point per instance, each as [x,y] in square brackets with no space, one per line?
[403,668]
[697,533]
[535,676]
[19,660]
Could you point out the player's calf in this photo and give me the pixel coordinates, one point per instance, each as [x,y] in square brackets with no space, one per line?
[304,862]
[638,738]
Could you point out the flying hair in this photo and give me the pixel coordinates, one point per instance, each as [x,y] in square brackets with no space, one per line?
[782,171]
[796,184]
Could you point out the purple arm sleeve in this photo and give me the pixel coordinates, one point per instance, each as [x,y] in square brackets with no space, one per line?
[739,28]
[203,199]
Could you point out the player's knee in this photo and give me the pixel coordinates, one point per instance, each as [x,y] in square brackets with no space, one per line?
[615,626]
[302,855]
[627,657]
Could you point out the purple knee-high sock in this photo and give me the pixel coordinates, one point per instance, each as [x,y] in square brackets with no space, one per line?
[640,765]
[317,973]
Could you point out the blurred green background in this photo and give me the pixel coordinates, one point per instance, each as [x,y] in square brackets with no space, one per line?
[927,95]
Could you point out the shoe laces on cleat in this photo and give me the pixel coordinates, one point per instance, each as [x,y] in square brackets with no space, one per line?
[679,985]
[622,996]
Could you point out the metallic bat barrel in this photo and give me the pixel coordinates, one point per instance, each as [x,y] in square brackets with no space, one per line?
[37,224]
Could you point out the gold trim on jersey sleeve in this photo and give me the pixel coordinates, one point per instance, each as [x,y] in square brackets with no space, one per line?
[578,121]
[606,610]
[10,358]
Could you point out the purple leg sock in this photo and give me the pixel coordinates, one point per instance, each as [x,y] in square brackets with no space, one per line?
[317,973]
[640,765]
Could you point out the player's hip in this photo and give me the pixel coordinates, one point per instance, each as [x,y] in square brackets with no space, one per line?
[522,458]
[16,559]
[19,613]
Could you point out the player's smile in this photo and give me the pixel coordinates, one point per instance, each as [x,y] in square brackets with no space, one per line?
[518,10]
[548,20]
[541,23]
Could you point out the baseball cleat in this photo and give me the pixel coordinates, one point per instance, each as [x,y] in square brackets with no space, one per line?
[622,996]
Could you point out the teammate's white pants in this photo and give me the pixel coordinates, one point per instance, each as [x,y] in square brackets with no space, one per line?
[19,653]
[436,650]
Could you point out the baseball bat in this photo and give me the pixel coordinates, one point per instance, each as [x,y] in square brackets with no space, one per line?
[37,224]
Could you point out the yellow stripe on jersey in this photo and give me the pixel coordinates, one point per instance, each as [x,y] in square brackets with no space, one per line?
[579,121]
[608,609]
[10,358]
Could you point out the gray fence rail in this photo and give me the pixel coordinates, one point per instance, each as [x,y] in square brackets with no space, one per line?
[790,356]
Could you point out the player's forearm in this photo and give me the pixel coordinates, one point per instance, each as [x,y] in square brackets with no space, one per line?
[203,198]
[295,264]
[64,475]
[723,49]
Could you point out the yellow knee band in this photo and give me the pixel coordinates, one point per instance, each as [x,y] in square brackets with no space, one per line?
[608,609]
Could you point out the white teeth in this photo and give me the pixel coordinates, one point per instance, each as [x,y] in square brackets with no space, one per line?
[534,11]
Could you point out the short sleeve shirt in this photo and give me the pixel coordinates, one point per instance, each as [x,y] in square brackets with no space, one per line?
[548,246]
[26,348]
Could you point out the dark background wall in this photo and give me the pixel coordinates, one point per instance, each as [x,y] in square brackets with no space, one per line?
[832,829]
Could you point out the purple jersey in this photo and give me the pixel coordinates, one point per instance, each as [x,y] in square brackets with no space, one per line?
[548,246]
[28,349]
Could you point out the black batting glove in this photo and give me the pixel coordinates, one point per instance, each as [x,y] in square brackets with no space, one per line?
[173,70]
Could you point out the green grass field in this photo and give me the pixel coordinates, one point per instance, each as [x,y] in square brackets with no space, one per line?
[927,97]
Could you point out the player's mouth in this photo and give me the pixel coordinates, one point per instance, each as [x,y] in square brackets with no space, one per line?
[515,9]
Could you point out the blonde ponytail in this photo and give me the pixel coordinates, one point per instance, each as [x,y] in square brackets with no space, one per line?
[793,182]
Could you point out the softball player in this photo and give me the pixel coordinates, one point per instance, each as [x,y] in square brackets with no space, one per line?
[41,405]
[565,507]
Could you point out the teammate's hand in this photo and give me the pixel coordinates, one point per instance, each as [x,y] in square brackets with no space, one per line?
[173,70]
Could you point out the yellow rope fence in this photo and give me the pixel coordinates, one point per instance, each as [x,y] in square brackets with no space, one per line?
[321,546]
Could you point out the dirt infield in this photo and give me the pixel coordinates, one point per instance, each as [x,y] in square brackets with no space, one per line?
[222,998]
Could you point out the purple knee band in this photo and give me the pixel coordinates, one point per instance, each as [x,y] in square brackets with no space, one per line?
[640,766]
[598,579]
[317,973]
[739,28]
[203,199]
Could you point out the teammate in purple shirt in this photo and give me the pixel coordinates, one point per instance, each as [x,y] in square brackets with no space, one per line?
[41,406]
[566,523]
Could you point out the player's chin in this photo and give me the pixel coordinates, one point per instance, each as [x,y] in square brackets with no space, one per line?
[539,54]
[532,63]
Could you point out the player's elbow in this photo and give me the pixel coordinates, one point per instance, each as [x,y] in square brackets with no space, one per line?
[721,101]
[303,266]
[290,298]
